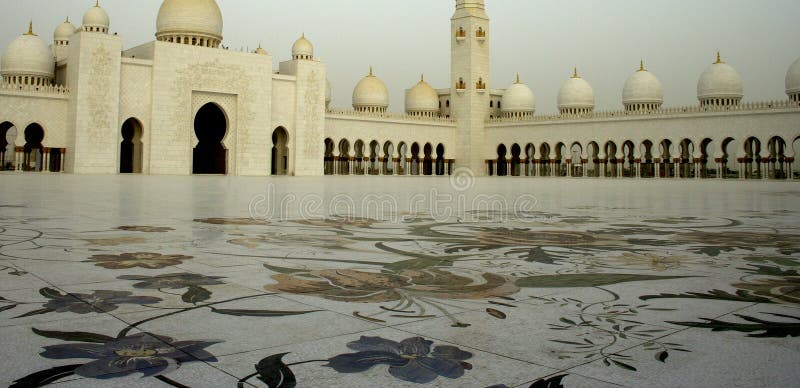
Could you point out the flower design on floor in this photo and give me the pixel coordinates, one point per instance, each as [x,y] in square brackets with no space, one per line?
[230,221]
[145,229]
[409,360]
[350,285]
[173,281]
[779,289]
[140,259]
[101,301]
[527,237]
[744,240]
[338,222]
[149,354]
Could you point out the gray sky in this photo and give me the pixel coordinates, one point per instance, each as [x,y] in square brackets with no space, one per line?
[540,39]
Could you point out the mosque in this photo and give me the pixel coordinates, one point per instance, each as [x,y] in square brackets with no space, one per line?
[184,104]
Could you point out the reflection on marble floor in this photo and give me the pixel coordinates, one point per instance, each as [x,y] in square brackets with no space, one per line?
[584,292]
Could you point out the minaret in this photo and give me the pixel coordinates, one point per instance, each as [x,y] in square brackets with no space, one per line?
[469,82]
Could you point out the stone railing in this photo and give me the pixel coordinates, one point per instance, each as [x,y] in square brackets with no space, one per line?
[669,111]
[389,116]
[53,90]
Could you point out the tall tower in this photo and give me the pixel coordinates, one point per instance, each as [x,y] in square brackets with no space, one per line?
[469,81]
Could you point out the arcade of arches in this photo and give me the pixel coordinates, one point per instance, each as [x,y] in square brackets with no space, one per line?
[33,155]
[385,159]
[684,159]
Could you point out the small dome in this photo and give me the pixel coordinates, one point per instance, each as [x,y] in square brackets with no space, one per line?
[302,49]
[64,31]
[260,50]
[28,55]
[371,94]
[576,95]
[518,98]
[193,18]
[328,93]
[422,98]
[793,78]
[96,17]
[720,81]
[643,87]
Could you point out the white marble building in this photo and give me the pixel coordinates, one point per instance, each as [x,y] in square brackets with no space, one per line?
[184,104]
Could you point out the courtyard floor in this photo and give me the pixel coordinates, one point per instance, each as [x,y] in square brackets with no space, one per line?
[135,281]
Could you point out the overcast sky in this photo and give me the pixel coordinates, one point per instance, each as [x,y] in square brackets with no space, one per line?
[540,39]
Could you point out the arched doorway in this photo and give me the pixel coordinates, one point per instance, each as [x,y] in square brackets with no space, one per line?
[777,158]
[359,148]
[280,152]
[402,150]
[610,165]
[502,164]
[210,155]
[576,155]
[530,165]
[752,161]
[516,160]
[593,160]
[8,134]
[344,157]
[34,155]
[440,170]
[628,164]
[388,158]
[415,163]
[647,167]
[130,150]
[545,167]
[427,161]
[374,152]
[328,159]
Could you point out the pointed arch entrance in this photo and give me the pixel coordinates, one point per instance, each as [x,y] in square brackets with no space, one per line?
[280,152]
[210,155]
[130,150]
[33,150]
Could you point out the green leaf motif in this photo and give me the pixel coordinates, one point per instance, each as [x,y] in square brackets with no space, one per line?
[283,270]
[50,293]
[762,328]
[586,280]
[624,365]
[260,313]
[45,377]
[77,336]
[9,307]
[274,372]
[740,296]
[196,294]
[551,382]
[34,312]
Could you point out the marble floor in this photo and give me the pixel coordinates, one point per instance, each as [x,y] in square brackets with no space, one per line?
[131,281]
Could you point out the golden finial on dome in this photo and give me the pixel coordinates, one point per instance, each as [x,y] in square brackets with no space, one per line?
[30,28]
[67,21]
[97,3]
[719,58]
[517,81]
[370,72]
[641,65]
[575,73]
[422,77]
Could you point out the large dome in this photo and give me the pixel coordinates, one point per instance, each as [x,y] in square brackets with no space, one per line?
[793,80]
[190,18]
[422,99]
[96,19]
[64,31]
[643,90]
[371,95]
[720,84]
[302,49]
[518,99]
[576,96]
[28,55]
